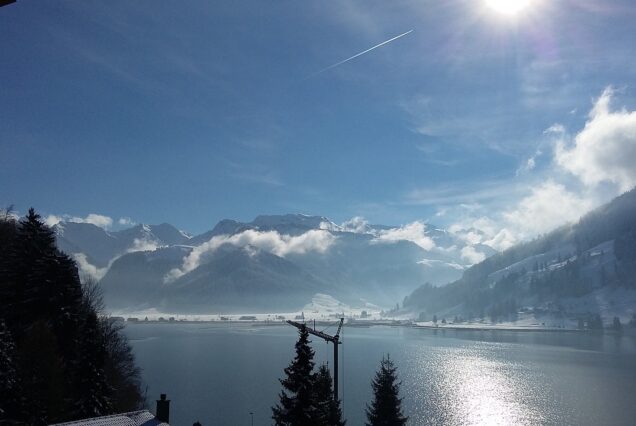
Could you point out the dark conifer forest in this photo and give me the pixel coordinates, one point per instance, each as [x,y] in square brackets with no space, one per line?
[60,358]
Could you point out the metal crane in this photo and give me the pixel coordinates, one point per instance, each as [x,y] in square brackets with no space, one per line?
[335,339]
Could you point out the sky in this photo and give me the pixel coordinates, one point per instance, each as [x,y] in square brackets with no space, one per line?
[190,112]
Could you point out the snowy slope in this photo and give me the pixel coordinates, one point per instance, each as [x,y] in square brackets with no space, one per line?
[586,268]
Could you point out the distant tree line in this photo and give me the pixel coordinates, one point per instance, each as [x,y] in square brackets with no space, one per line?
[307,397]
[60,358]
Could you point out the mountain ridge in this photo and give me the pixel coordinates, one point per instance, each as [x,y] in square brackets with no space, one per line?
[548,273]
[369,262]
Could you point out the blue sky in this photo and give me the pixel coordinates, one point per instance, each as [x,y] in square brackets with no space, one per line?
[190,112]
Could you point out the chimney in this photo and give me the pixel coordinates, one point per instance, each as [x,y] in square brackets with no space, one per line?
[163,409]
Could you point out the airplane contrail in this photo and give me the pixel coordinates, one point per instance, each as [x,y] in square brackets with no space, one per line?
[359,54]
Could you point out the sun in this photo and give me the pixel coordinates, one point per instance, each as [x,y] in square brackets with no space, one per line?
[508,7]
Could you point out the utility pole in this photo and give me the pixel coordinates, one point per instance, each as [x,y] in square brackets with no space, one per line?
[335,339]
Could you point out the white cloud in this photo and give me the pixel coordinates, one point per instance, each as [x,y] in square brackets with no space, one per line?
[142,244]
[415,232]
[543,209]
[270,241]
[474,231]
[434,262]
[556,128]
[93,218]
[471,255]
[86,268]
[126,221]
[605,150]
[97,220]
[529,165]
[329,226]
[356,224]
[473,237]
[601,156]
[502,240]
[52,220]
[547,207]
[486,225]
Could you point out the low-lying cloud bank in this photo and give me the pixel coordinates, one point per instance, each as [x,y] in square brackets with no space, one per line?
[471,255]
[269,241]
[414,232]
[143,244]
[357,224]
[87,269]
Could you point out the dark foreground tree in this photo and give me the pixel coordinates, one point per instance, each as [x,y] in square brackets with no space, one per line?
[61,358]
[328,412]
[10,393]
[122,374]
[386,408]
[296,407]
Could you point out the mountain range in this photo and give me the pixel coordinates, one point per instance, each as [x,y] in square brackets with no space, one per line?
[278,262]
[274,262]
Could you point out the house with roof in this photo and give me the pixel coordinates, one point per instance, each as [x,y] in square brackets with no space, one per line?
[134,418]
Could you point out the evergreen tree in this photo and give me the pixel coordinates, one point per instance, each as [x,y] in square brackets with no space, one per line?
[23,271]
[92,392]
[328,411]
[296,406]
[41,373]
[59,360]
[10,400]
[386,408]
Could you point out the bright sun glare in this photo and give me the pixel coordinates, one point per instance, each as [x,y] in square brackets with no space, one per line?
[508,7]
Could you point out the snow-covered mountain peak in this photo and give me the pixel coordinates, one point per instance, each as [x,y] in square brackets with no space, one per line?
[292,254]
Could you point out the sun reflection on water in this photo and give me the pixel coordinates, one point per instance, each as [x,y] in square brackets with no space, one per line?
[484,394]
[474,389]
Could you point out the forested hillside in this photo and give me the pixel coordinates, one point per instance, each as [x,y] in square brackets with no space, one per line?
[598,252]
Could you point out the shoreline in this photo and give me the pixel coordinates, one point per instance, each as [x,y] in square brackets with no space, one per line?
[629,332]
[359,324]
[520,328]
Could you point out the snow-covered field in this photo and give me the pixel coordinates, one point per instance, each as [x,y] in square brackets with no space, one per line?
[321,308]
[607,301]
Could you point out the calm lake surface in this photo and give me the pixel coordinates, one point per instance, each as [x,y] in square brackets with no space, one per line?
[218,374]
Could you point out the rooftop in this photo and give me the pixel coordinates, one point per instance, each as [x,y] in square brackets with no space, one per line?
[134,418]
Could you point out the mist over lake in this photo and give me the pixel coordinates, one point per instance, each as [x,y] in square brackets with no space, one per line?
[218,374]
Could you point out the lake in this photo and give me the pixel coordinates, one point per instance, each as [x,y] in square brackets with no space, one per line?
[219,373]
